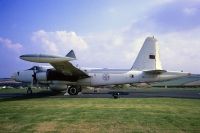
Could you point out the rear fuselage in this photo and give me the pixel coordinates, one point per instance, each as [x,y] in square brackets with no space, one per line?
[101,77]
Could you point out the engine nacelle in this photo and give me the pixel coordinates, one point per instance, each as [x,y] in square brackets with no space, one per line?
[50,75]
[41,76]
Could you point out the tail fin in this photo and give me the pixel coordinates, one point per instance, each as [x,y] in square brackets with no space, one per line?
[148,57]
[71,54]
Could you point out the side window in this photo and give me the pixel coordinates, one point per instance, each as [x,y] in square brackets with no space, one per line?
[152,57]
[131,76]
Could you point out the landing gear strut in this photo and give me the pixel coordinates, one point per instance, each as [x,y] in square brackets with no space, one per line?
[29,90]
[74,90]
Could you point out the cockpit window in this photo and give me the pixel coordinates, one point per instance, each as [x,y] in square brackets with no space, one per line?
[132,76]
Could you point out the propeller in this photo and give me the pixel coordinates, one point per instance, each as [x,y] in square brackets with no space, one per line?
[34,79]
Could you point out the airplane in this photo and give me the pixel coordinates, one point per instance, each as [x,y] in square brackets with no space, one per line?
[63,75]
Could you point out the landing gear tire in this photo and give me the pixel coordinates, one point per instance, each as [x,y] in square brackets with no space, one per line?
[73,90]
[29,90]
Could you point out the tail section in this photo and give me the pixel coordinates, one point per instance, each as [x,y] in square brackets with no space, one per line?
[148,57]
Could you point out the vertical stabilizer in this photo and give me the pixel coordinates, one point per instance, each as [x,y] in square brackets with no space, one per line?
[148,57]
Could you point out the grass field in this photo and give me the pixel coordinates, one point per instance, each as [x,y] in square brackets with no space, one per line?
[147,89]
[100,115]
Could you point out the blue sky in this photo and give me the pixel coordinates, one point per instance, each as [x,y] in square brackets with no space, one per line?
[103,33]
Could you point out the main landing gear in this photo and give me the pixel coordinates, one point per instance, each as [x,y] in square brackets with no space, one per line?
[74,90]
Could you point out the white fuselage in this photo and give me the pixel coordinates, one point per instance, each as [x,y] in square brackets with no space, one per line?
[101,77]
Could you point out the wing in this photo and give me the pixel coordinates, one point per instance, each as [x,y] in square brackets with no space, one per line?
[68,69]
[61,64]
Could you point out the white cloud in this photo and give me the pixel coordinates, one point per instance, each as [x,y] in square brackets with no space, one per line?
[10,45]
[59,41]
[180,50]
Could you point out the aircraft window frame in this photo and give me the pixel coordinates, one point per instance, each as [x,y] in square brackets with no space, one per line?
[151,56]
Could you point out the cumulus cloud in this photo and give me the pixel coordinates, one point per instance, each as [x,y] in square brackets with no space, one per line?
[10,45]
[180,50]
[59,41]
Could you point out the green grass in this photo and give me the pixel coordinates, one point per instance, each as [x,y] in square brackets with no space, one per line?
[100,115]
[147,89]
